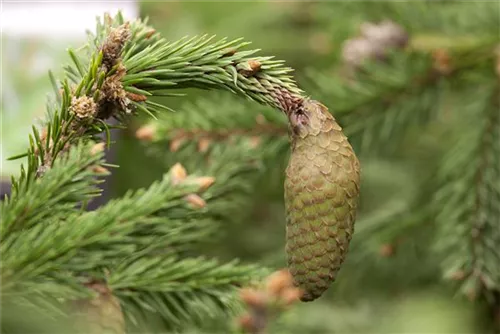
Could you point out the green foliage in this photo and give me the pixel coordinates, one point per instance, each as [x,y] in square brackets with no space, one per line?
[182,292]
[69,182]
[427,136]
[469,195]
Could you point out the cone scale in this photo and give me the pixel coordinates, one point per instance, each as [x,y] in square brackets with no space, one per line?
[321,196]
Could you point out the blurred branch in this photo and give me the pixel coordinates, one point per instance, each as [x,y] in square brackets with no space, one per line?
[468,200]
[206,121]
[385,96]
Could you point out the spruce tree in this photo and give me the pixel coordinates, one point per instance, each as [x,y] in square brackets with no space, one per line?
[416,89]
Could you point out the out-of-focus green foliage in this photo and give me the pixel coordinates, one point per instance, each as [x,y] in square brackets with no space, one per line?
[424,257]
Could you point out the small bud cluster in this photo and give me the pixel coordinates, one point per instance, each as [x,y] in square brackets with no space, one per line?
[100,104]
[266,302]
[112,47]
[83,107]
[178,175]
[113,98]
[375,42]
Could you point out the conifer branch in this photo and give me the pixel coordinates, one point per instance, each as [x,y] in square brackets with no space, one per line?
[185,286]
[387,86]
[114,75]
[469,198]
[123,65]
[71,182]
[207,122]
[126,63]
[143,236]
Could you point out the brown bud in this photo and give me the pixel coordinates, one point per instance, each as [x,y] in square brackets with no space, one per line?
[278,281]
[204,144]
[146,132]
[150,33]
[136,97]
[255,141]
[83,107]
[260,119]
[253,298]
[291,296]
[442,61]
[205,182]
[387,250]
[175,144]
[229,52]
[113,45]
[247,323]
[458,275]
[100,170]
[97,148]
[249,68]
[178,173]
[195,201]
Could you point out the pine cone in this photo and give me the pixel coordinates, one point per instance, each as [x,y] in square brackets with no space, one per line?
[321,195]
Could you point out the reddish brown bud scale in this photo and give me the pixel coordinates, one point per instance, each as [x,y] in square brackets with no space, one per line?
[178,173]
[204,144]
[195,201]
[136,97]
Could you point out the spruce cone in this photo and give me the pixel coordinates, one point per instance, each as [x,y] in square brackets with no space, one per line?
[321,196]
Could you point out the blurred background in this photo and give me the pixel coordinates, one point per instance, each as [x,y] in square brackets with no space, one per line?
[415,86]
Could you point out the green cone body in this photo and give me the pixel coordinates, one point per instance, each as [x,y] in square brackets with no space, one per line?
[321,196]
